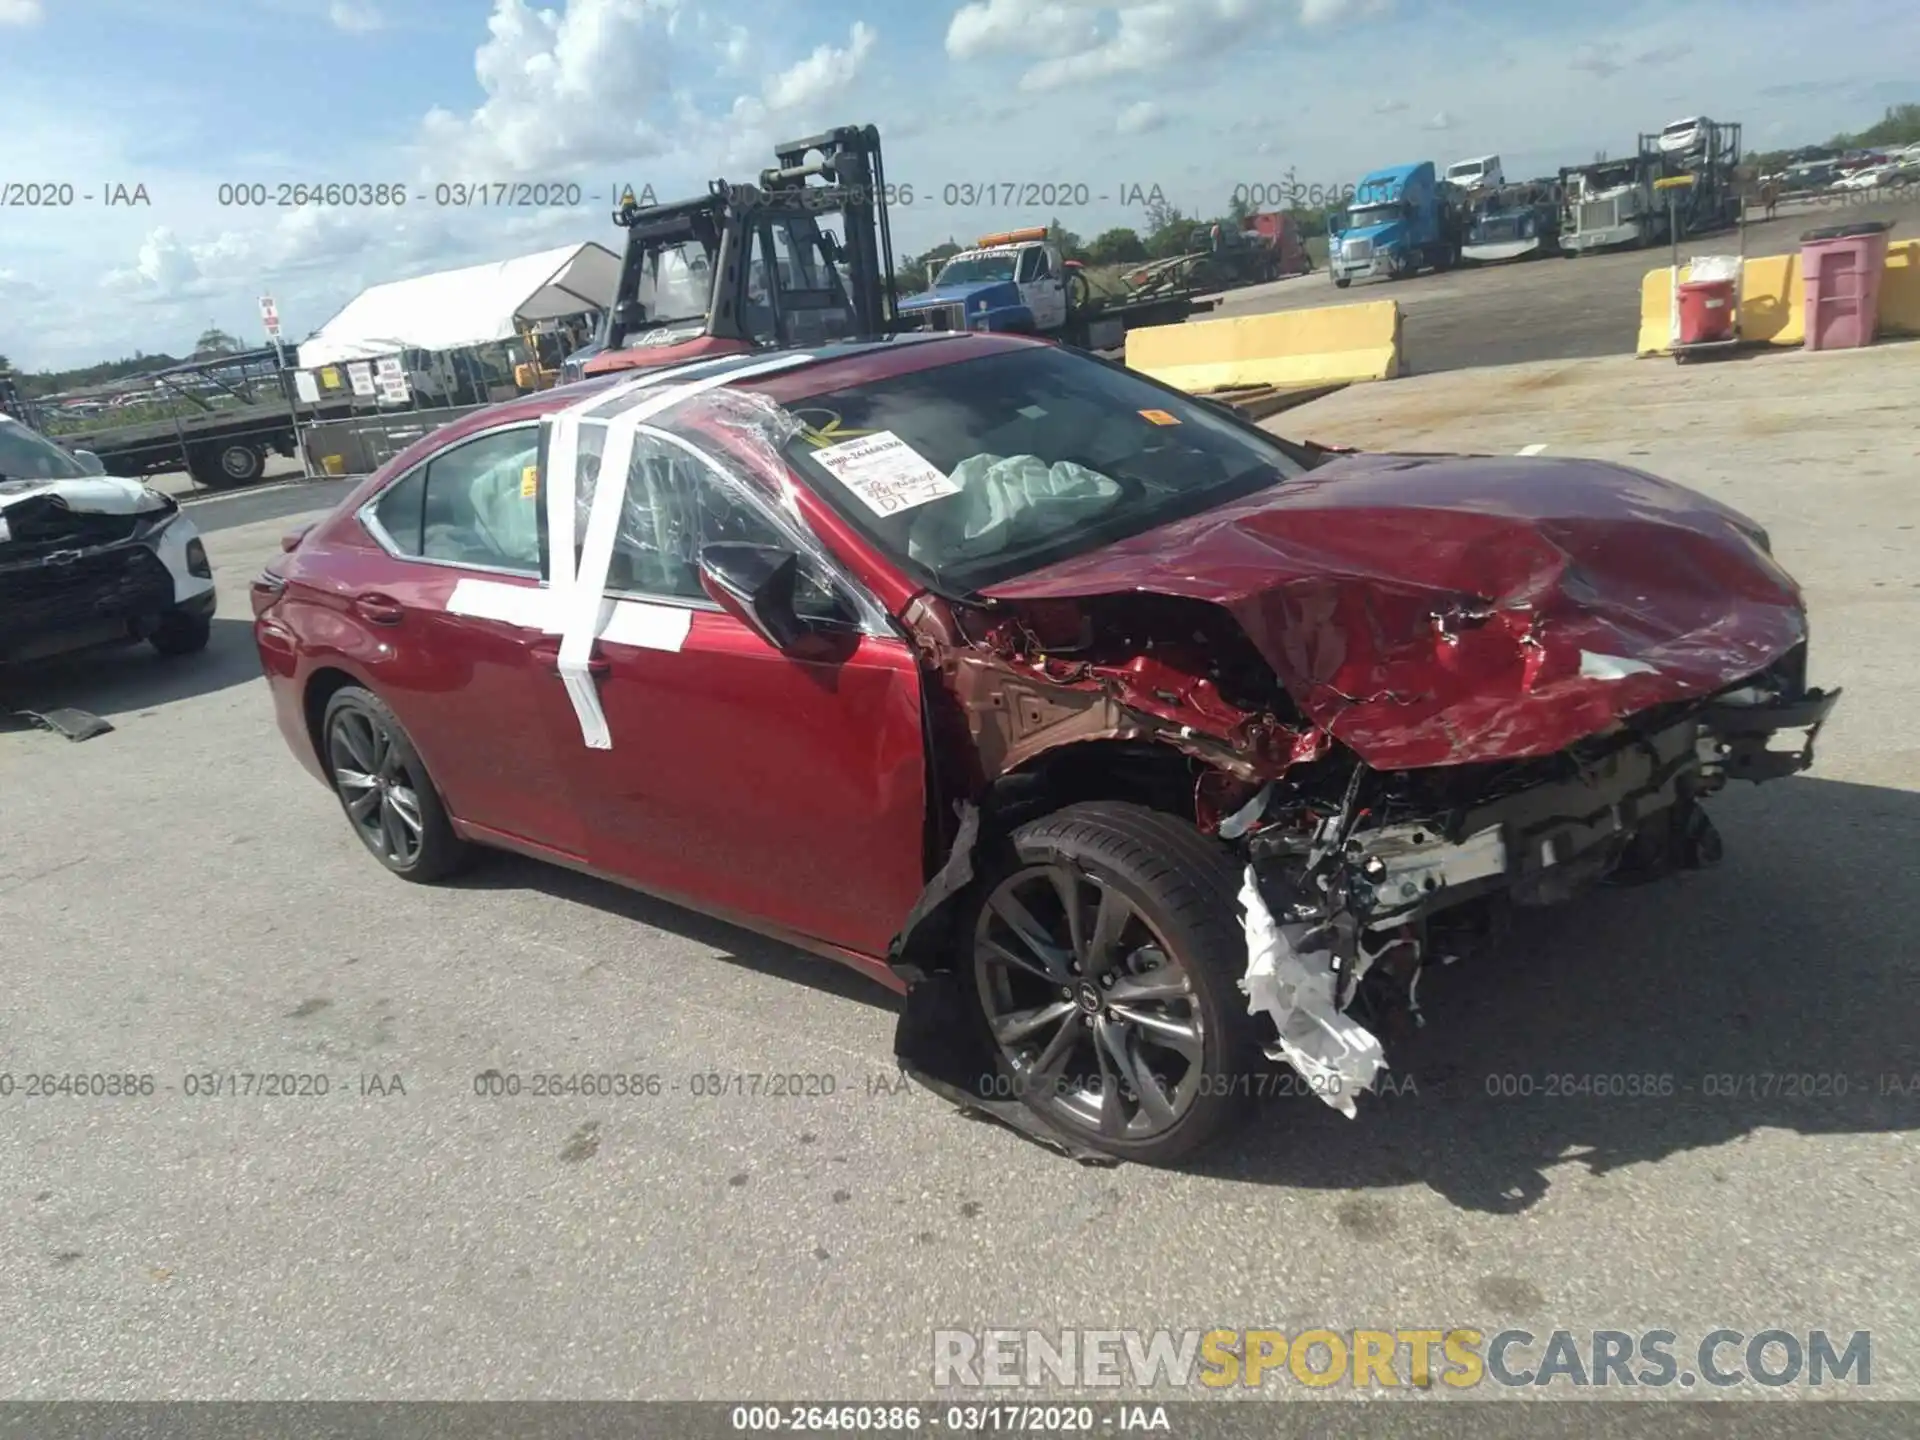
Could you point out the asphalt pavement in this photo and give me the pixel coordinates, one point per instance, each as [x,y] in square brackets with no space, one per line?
[1553,308]
[180,901]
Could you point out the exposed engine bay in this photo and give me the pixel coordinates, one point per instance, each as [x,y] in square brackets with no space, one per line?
[1355,879]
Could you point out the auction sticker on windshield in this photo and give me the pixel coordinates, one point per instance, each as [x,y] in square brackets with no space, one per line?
[885,473]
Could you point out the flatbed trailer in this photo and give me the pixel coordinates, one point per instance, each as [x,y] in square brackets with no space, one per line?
[1102,325]
[221,438]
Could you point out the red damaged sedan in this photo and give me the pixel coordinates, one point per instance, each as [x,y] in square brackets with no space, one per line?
[1140,748]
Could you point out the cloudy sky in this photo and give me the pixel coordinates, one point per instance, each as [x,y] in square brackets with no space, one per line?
[183,97]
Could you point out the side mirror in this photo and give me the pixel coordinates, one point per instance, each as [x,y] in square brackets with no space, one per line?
[90,462]
[755,584]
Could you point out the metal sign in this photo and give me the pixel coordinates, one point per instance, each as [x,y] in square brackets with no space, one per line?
[270,316]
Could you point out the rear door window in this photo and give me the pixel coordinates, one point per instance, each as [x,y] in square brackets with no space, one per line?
[476,505]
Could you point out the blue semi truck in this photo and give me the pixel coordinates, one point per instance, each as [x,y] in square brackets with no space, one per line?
[1402,220]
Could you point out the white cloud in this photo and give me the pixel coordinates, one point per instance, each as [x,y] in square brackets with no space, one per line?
[356,17]
[1390,107]
[1034,27]
[1326,12]
[562,88]
[824,73]
[21,12]
[1140,117]
[597,83]
[1076,41]
[1441,121]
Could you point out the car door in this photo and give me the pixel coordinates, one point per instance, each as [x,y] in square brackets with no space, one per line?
[740,779]
[1043,287]
[460,652]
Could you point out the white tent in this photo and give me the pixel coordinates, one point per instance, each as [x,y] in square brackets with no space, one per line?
[453,309]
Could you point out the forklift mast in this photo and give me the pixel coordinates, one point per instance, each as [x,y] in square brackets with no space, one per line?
[765,271]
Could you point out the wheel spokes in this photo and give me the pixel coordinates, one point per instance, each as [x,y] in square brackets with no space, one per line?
[356,735]
[406,805]
[1180,1036]
[1109,923]
[1018,1025]
[1032,934]
[1161,983]
[1122,1052]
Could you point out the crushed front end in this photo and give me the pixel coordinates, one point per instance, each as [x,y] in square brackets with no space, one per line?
[1418,690]
[1357,879]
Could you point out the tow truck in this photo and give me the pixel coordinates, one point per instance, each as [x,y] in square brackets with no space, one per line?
[746,267]
[1017,281]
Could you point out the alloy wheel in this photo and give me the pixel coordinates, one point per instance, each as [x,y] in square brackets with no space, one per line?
[378,788]
[1095,1017]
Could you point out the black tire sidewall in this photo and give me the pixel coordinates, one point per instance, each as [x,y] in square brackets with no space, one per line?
[441,851]
[1207,941]
[182,634]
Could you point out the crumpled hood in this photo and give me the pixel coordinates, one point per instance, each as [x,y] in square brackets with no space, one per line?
[91,494]
[1440,610]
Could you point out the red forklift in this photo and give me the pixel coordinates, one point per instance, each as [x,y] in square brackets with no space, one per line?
[749,267]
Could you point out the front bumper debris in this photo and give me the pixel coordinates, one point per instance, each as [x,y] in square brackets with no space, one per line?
[1319,910]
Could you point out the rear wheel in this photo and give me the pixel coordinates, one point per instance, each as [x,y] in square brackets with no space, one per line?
[227,463]
[1106,966]
[385,790]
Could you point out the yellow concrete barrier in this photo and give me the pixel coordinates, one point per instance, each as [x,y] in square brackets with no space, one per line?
[1773,307]
[1283,348]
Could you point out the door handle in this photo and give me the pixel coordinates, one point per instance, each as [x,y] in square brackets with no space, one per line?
[380,609]
[549,656]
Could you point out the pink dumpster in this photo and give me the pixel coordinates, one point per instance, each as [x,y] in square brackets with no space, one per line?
[1841,268]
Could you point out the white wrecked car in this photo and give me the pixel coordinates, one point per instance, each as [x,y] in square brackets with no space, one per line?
[91,559]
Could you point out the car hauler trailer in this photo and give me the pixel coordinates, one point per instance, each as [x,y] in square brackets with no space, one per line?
[1514,222]
[1017,282]
[216,419]
[1710,201]
[1612,205]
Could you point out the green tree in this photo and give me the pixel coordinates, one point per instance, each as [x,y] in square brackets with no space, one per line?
[1899,126]
[1071,245]
[215,341]
[1118,246]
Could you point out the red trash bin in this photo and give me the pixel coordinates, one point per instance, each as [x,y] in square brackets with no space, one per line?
[1841,268]
[1706,312]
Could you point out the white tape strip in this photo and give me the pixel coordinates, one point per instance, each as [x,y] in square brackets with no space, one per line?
[637,623]
[580,602]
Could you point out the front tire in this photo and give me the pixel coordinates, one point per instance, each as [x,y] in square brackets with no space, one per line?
[389,799]
[181,634]
[1106,965]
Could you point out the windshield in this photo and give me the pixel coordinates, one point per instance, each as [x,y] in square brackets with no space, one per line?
[1471,171]
[1363,217]
[976,472]
[976,269]
[26,455]
[675,285]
